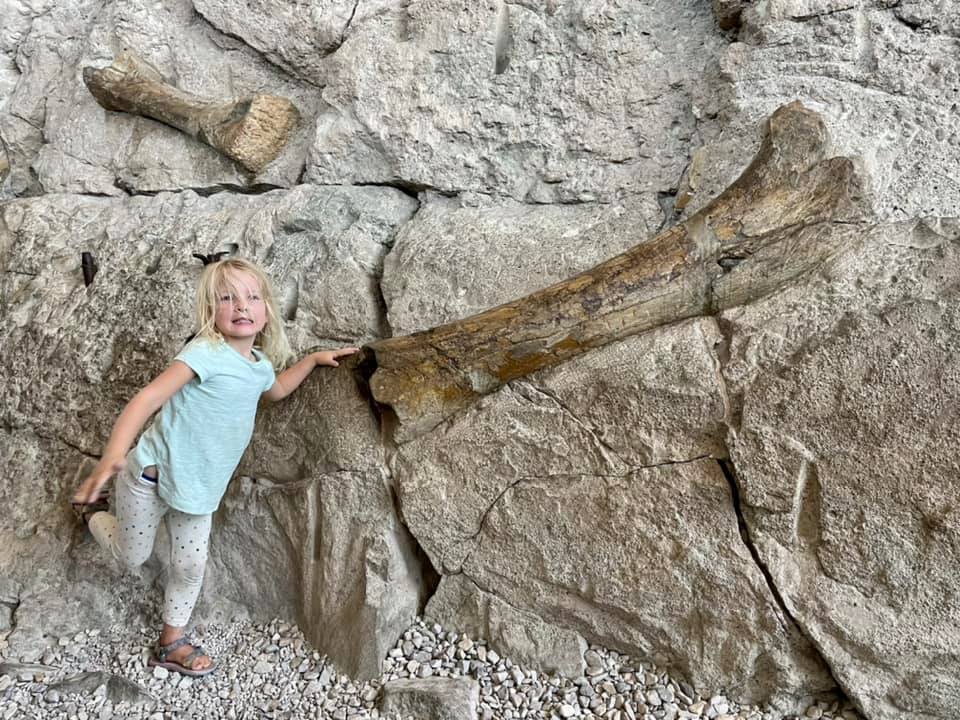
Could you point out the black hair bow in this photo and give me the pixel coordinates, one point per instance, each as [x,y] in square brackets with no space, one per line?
[211,258]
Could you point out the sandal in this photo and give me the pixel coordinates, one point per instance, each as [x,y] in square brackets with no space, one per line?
[186,666]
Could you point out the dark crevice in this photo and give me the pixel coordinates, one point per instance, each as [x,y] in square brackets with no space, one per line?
[362,366]
[343,33]
[667,200]
[407,187]
[14,607]
[496,501]
[815,16]
[667,463]
[914,25]
[202,191]
[728,472]
[385,330]
[88,264]
[734,401]
[729,262]
[428,573]
[78,194]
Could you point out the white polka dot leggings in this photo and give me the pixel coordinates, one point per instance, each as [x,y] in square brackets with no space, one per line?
[130,536]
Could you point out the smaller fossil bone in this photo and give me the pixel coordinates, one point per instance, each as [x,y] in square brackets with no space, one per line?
[252,131]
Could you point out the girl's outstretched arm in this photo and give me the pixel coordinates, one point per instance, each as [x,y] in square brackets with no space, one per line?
[290,379]
[144,404]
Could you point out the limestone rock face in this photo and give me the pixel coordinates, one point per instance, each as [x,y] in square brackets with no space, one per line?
[340,560]
[296,36]
[628,538]
[501,253]
[762,499]
[327,551]
[883,75]
[323,246]
[844,454]
[523,636]
[542,102]
[60,140]
[73,355]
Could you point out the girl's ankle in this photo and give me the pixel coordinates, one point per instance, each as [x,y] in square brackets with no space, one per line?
[169,636]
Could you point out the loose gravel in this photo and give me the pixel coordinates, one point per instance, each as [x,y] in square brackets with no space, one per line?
[270,671]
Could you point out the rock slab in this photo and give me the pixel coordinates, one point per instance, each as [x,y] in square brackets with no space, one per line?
[431,699]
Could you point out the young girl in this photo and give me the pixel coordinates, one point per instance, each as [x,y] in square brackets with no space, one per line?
[180,467]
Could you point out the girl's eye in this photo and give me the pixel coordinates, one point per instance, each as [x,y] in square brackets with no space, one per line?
[225,298]
[254,297]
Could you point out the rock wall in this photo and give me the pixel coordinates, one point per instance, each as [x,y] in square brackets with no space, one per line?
[761,499]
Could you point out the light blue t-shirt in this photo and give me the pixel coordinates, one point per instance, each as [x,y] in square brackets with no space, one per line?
[199,435]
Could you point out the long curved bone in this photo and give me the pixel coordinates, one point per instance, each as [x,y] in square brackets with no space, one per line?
[786,214]
[252,131]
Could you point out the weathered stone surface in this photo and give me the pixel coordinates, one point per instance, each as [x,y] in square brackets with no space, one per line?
[432,699]
[329,405]
[296,36]
[883,74]
[640,548]
[56,580]
[60,140]
[339,560]
[522,636]
[331,549]
[539,102]
[652,400]
[840,390]
[518,433]
[611,565]
[118,689]
[457,258]
[785,216]
[848,386]
[322,246]
[9,601]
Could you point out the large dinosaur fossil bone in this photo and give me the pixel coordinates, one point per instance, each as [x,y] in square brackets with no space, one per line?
[786,214]
[252,131]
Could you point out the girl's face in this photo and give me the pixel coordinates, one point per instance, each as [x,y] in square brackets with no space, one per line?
[241,311]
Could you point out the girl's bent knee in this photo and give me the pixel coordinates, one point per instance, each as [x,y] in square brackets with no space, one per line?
[189,573]
[131,560]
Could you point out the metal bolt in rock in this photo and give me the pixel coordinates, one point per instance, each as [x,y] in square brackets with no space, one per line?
[786,215]
[251,131]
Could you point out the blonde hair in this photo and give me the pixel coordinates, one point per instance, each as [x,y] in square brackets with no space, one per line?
[214,281]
